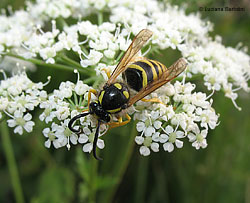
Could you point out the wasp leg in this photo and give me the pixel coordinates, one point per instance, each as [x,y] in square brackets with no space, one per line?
[120,122]
[89,94]
[107,71]
[156,100]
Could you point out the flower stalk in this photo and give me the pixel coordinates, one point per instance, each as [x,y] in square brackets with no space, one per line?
[10,157]
[121,165]
[93,179]
[54,66]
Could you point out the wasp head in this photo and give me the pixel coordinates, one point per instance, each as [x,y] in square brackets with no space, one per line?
[96,109]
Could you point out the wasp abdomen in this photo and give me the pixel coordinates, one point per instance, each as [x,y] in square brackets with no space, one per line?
[141,73]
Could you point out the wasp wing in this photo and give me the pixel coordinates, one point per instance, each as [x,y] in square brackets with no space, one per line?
[140,39]
[172,72]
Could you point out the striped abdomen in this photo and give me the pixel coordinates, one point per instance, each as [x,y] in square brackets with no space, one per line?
[141,73]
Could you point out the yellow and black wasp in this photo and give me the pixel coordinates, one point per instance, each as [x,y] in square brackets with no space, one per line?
[141,76]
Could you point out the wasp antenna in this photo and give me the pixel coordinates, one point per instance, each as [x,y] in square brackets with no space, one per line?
[70,124]
[95,141]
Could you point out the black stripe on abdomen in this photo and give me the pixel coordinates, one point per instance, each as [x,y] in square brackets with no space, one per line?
[134,78]
[156,67]
[147,69]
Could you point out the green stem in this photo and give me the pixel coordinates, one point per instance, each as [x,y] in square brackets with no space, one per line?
[61,23]
[75,64]
[56,66]
[100,18]
[90,80]
[85,51]
[118,58]
[93,180]
[122,166]
[8,149]
[141,180]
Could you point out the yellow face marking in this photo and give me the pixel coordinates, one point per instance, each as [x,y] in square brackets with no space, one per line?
[114,110]
[118,86]
[101,96]
[144,75]
[126,94]
[152,67]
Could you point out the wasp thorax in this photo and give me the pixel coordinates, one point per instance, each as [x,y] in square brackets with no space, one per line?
[96,108]
[114,98]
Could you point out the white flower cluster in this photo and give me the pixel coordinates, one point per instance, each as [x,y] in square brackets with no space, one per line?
[45,9]
[15,30]
[62,105]
[222,67]
[102,41]
[18,96]
[181,114]
[170,25]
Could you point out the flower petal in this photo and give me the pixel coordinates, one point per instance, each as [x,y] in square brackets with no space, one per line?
[168,147]
[178,143]
[100,144]
[47,143]
[139,140]
[87,147]
[163,138]
[155,147]
[157,124]
[169,129]
[73,139]
[149,131]
[140,126]
[83,138]
[144,151]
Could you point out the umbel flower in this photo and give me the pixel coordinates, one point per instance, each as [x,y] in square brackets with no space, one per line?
[63,104]
[18,95]
[181,115]
[97,47]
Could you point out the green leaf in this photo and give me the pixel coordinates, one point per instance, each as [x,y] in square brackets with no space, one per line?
[82,165]
[83,192]
[56,185]
[103,182]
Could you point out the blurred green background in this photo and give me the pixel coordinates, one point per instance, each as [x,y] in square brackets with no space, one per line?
[219,173]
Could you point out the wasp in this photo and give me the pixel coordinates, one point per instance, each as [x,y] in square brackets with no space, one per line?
[141,76]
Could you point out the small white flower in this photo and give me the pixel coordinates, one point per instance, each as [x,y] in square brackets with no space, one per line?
[3,103]
[198,139]
[92,59]
[50,134]
[208,118]
[21,122]
[65,135]
[147,144]
[48,54]
[172,138]
[89,146]
[147,130]
[62,112]
[81,88]
[109,53]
